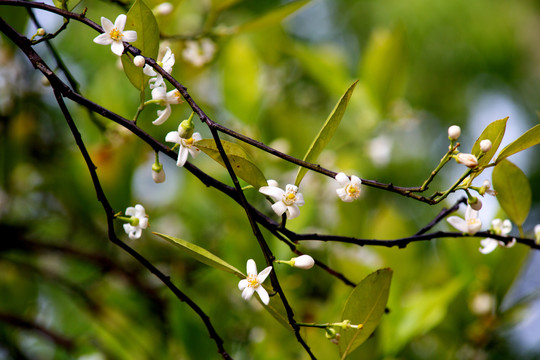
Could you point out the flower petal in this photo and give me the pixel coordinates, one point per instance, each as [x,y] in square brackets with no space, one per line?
[274,192]
[279,208]
[251,267]
[473,226]
[130,36]
[299,199]
[488,245]
[342,179]
[343,194]
[120,22]
[248,293]
[242,284]
[117,47]
[506,227]
[292,211]
[149,71]
[470,213]
[183,153]
[107,25]
[263,295]
[173,137]
[128,228]
[131,211]
[103,39]
[163,115]
[458,223]
[264,274]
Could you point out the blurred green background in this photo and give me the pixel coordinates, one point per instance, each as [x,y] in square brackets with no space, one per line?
[422,65]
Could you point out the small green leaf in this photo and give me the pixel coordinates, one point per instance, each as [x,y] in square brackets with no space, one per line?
[326,133]
[513,191]
[202,255]
[365,306]
[493,132]
[273,17]
[66,4]
[240,160]
[530,138]
[141,19]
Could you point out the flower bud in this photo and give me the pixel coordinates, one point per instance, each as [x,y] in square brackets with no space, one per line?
[469,160]
[158,174]
[485,145]
[475,203]
[139,61]
[454,132]
[303,262]
[45,81]
[537,234]
[164,9]
[186,128]
[40,32]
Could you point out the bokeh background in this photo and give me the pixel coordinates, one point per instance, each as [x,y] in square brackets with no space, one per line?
[422,66]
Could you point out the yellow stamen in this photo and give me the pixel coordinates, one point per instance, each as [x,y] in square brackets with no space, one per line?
[116,35]
[252,281]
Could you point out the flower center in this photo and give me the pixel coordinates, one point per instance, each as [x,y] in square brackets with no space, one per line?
[187,142]
[116,35]
[252,281]
[289,198]
[352,191]
[177,95]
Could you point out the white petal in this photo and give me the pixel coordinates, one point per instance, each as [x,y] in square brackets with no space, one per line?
[342,179]
[251,267]
[149,71]
[342,194]
[130,36]
[273,183]
[488,245]
[106,24]
[103,39]
[355,180]
[247,293]
[506,227]
[163,115]
[264,274]
[183,153]
[458,223]
[263,295]
[292,211]
[279,208]
[470,213]
[131,211]
[299,199]
[120,22]
[143,222]
[173,137]
[128,228]
[473,226]
[139,210]
[159,93]
[117,47]
[274,192]
[196,137]
[242,284]
[135,234]
[194,152]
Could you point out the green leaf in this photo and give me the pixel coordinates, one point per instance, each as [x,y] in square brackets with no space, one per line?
[365,306]
[513,191]
[240,160]
[493,132]
[530,138]
[141,19]
[384,66]
[273,17]
[326,133]
[66,4]
[202,255]
[242,91]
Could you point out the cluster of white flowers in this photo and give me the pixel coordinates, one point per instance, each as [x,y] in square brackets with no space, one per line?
[198,53]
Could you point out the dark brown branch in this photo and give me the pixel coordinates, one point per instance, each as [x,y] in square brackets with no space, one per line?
[443,214]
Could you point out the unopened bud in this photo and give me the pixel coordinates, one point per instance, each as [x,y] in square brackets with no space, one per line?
[40,32]
[45,81]
[164,9]
[469,160]
[158,174]
[303,262]
[454,132]
[186,128]
[485,145]
[475,203]
[537,234]
[139,61]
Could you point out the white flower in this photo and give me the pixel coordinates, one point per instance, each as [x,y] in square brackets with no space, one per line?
[165,98]
[469,160]
[139,221]
[167,63]
[287,200]
[164,9]
[454,132]
[498,227]
[487,188]
[199,53]
[186,145]
[471,225]
[138,61]
[114,35]
[485,145]
[253,282]
[303,262]
[351,187]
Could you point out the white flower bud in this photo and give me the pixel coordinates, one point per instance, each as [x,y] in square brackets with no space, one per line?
[40,32]
[158,174]
[475,203]
[469,160]
[454,132]
[164,9]
[485,145]
[303,262]
[139,61]
[537,234]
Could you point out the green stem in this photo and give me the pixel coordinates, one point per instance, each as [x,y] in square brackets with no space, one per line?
[453,187]
[443,162]
[140,108]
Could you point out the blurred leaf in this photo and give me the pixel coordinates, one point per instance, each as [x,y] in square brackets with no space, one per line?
[530,138]
[277,310]
[141,19]
[243,167]
[383,67]
[493,132]
[513,191]
[66,4]
[365,306]
[326,133]
[202,255]
[273,17]
[241,88]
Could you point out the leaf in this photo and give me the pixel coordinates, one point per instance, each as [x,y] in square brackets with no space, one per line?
[530,138]
[242,91]
[384,66]
[141,19]
[66,4]
[273,17]
[243,167]
[326,133]
[202,255]
[513,191]
[493,132]
[365,306]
